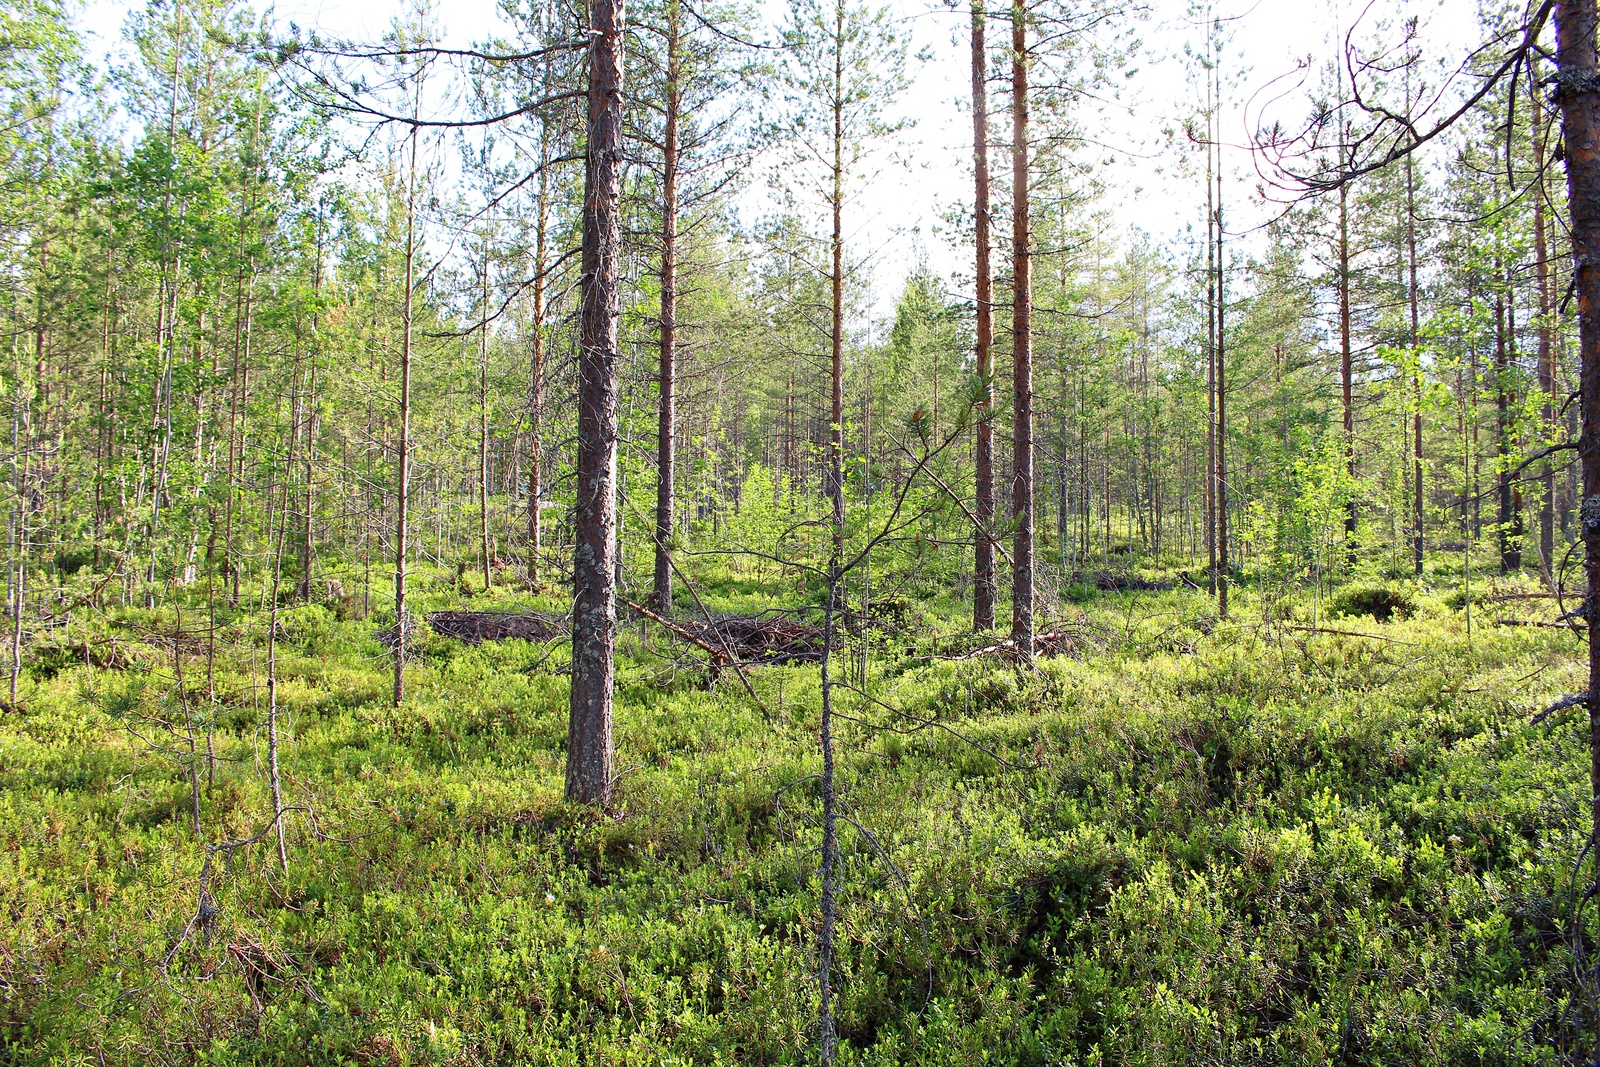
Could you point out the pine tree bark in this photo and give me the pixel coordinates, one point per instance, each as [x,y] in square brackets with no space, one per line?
[594,613]
[1578,95]
[667,428]
[1022,622]
[983,576]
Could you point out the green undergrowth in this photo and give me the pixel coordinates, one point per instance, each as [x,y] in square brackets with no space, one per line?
[1189,842]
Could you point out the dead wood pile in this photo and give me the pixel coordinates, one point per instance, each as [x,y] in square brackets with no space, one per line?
[1116,582]
[476,627]
[768,638]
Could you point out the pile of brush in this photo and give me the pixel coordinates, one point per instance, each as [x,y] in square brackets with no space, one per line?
[769,638]
[476,627]
[1124,582]
[766,638]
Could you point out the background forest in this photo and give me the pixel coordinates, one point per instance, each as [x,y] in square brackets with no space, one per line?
[1281,530]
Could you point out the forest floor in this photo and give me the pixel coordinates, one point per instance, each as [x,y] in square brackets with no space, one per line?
[1183,841]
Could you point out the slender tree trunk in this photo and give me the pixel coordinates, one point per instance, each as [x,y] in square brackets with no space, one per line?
[832,605]
[536,372]
[22,453]
[1222,375]
[188,722]
[308,412]
[1547,366]
[667,428]
[238,398]
[274,781]
[102,451]
[1347,369]
[486,548]
[403,474]
[983,576]
[1022,346]
[830,823]
[166,318]
[594,610]
[1063,502]
[836,338]
[1211,344]
[1473,456]
[1579,99]
[1418,513]
[297,402]
[1509,516]
[1221,536]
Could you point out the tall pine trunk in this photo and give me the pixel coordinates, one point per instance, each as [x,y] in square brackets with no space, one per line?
[1022,347]
[983,577]
[594,611]
[1222,370]
[667,428]
[1579,98]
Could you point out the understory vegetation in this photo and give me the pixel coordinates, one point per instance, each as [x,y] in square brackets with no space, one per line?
[1185,840]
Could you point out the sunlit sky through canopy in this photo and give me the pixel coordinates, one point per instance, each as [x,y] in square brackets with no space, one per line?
[1138,147]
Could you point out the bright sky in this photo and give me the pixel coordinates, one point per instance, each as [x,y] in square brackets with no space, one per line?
[898,219]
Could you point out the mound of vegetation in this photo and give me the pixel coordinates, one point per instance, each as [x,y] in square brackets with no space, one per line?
[1382,603]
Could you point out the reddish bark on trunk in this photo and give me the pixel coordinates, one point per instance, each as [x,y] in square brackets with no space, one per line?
[983,579]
